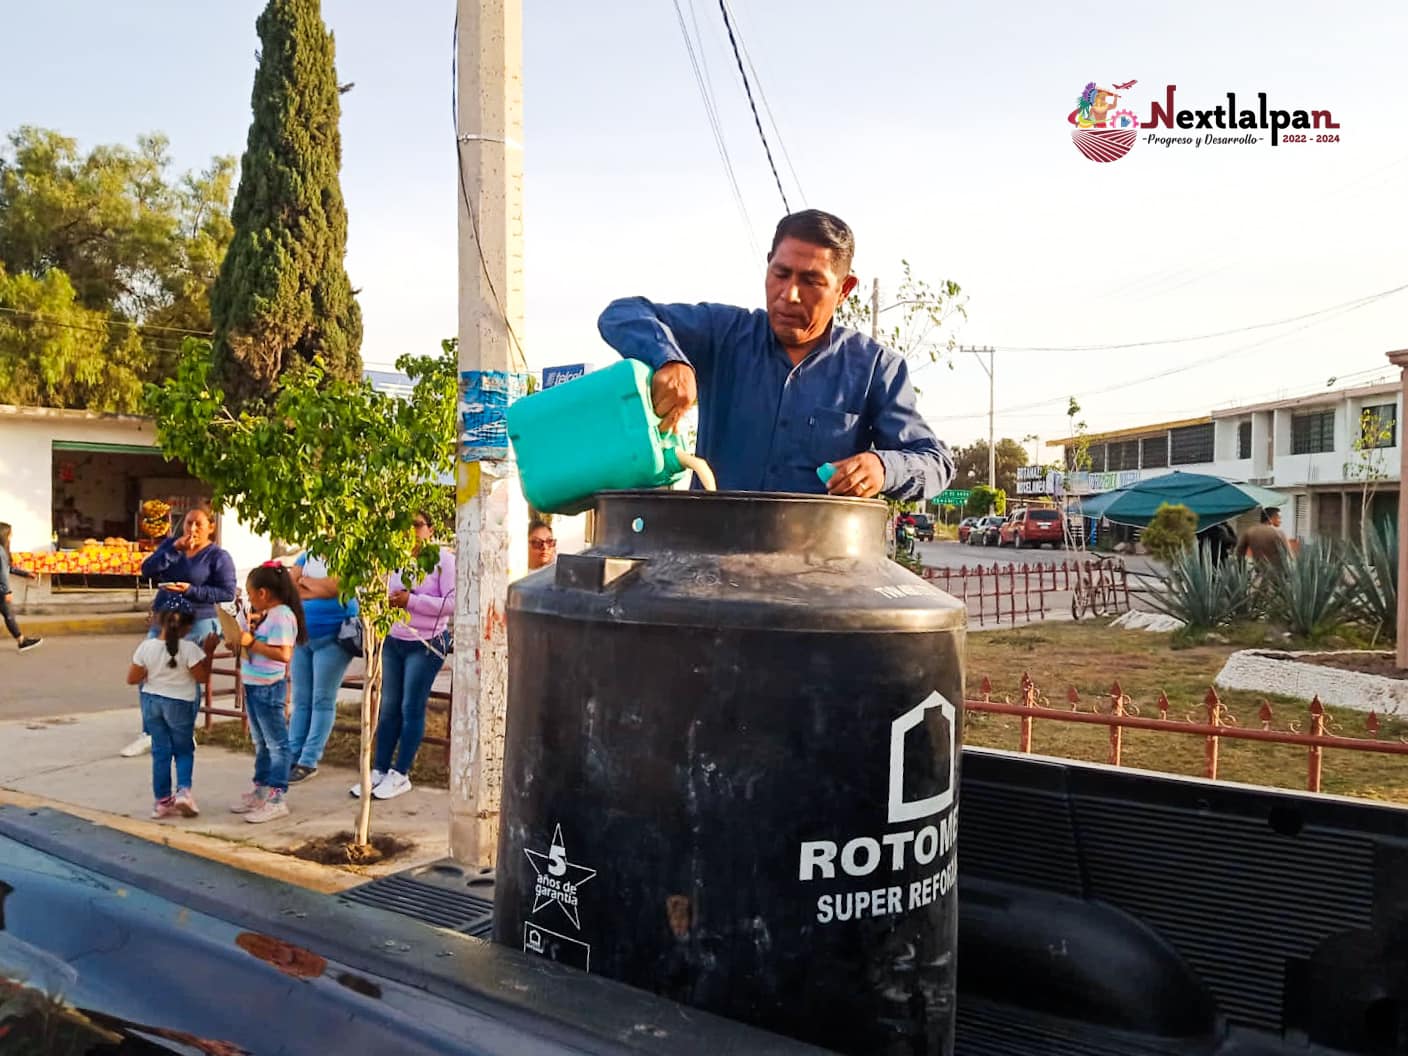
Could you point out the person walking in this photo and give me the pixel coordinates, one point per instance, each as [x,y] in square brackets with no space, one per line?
[169,670]
[318,665]
[411,657]
[7,610]
[192,567]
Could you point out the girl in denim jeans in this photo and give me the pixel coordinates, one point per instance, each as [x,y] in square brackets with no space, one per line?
[169,668]
[272,630]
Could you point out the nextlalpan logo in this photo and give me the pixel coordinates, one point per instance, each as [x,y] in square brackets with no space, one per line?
[1105,132]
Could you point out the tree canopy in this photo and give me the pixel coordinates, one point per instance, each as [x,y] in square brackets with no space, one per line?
[283,295]
[971,464]
[106,261]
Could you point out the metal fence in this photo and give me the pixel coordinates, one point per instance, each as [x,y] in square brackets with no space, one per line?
[1118,713]
[996,592]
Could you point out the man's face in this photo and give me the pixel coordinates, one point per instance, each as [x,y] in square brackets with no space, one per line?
[542,548]
[803,290]
[1275,519]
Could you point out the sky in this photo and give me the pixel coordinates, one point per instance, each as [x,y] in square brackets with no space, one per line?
[938,131]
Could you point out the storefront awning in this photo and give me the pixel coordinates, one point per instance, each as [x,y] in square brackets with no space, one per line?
[108,449]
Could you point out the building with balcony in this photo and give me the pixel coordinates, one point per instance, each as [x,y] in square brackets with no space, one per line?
[1334,454]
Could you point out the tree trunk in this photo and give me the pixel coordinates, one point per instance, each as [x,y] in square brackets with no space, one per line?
[371,695]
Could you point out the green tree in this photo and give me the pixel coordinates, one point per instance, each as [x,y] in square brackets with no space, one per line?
[283,295]
[984,500]
[330,464]
[1172,529]
[919,332]
[111,247]
[970,464]
[1369,464]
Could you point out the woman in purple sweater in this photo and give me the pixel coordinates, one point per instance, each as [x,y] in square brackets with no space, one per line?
[412,656]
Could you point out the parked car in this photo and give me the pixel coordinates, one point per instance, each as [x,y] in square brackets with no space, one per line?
[965,527]
[1032,527]
[923,528]
[985,532]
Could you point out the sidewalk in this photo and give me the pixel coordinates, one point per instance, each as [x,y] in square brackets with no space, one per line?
[72,761]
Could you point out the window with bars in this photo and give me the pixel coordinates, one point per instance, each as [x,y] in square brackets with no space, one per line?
[1122,455]
[1192,443]
[1380,425]
[1153,451]
[1244,440]
[1313,433]
[1097,458]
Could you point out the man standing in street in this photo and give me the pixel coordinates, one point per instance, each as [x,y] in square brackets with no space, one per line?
[784,390]
[1264,542]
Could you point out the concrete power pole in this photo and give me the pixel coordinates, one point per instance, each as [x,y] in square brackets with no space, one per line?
[978,353]
[491,519]
[875,310]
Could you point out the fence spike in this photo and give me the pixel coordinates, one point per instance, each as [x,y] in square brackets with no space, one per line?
[986,685]
[1373,723]
[1115,690]
[1316,708]
[1264,714]
[1212,700]
[1073,698]
[1163,704]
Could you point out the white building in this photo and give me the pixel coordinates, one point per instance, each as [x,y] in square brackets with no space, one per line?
[1317,449]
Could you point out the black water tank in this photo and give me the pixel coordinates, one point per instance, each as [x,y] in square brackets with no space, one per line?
[731,767]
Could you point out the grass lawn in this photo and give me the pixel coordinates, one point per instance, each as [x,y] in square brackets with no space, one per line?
[1091,656]
[429,769]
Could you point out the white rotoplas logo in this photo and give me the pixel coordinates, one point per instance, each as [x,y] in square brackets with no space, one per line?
[900,810]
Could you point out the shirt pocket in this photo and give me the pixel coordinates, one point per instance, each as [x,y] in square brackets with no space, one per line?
[832,435]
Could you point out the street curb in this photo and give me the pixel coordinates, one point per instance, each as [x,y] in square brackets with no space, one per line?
[325,879]
[133,623]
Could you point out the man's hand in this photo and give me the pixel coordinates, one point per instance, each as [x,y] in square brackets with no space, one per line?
[673,391]
[861,475]
[9,598]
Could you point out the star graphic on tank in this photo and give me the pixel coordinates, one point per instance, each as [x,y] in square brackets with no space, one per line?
[557,878]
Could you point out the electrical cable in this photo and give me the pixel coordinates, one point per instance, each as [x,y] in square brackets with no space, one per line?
[110,320]
[522,359]
[728,25]
[772,120]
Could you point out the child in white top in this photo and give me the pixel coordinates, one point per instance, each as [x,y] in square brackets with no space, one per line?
[168,669]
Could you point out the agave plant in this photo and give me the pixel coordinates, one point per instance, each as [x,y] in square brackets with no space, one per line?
[1373,579]
[1309,592]
[1204,593]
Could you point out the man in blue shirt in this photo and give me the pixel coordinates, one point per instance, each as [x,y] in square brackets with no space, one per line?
[784,390]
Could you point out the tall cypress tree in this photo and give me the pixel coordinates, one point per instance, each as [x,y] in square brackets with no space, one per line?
[283,294]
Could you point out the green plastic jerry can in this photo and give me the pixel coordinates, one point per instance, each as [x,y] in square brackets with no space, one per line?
[594,433]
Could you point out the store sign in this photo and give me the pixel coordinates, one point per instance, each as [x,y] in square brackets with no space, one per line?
[952,497]
[1038,480]
[557,375]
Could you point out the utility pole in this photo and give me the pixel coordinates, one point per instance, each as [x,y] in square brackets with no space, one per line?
[491,543]
[992,444]
[875,310]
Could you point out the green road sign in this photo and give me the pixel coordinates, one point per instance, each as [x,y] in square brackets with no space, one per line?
[952,497]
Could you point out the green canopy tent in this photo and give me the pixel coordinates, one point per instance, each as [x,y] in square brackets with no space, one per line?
[1213,499]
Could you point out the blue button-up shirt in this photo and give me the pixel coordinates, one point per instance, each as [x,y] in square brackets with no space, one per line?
[765,425]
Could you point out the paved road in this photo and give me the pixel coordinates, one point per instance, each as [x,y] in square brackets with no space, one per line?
[955,555]
[67,675]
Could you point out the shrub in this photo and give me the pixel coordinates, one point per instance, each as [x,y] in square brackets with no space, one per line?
[1171,531]
[1205,594]
[984,499]
[1373,579]
[1309,593]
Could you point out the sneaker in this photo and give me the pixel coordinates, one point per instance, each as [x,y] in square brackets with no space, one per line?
[272,807]
[298,772]
[251,800]
[185,803]
[140,746]
[392,785]
[377,777]
[26,644]
[164,808]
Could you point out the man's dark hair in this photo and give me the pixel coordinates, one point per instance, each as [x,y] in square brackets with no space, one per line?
[1268,513]
[819,229]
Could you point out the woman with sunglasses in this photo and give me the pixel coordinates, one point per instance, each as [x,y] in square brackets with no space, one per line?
[412,656]
[542,547]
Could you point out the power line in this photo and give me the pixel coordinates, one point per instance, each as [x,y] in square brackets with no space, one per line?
[1357,302]
[733,42]
[110,320]
[767,108]
[711,112]
[153,340]
[464,192]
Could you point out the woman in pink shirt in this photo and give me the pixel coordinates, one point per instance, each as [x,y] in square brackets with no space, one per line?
[411,658]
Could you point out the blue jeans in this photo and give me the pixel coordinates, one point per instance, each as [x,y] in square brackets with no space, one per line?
[171,722]
[408,670]
[265,707]
[202,627]
[318,667]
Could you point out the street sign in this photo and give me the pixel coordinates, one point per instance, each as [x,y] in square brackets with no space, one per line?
[952,497]
[557,375]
